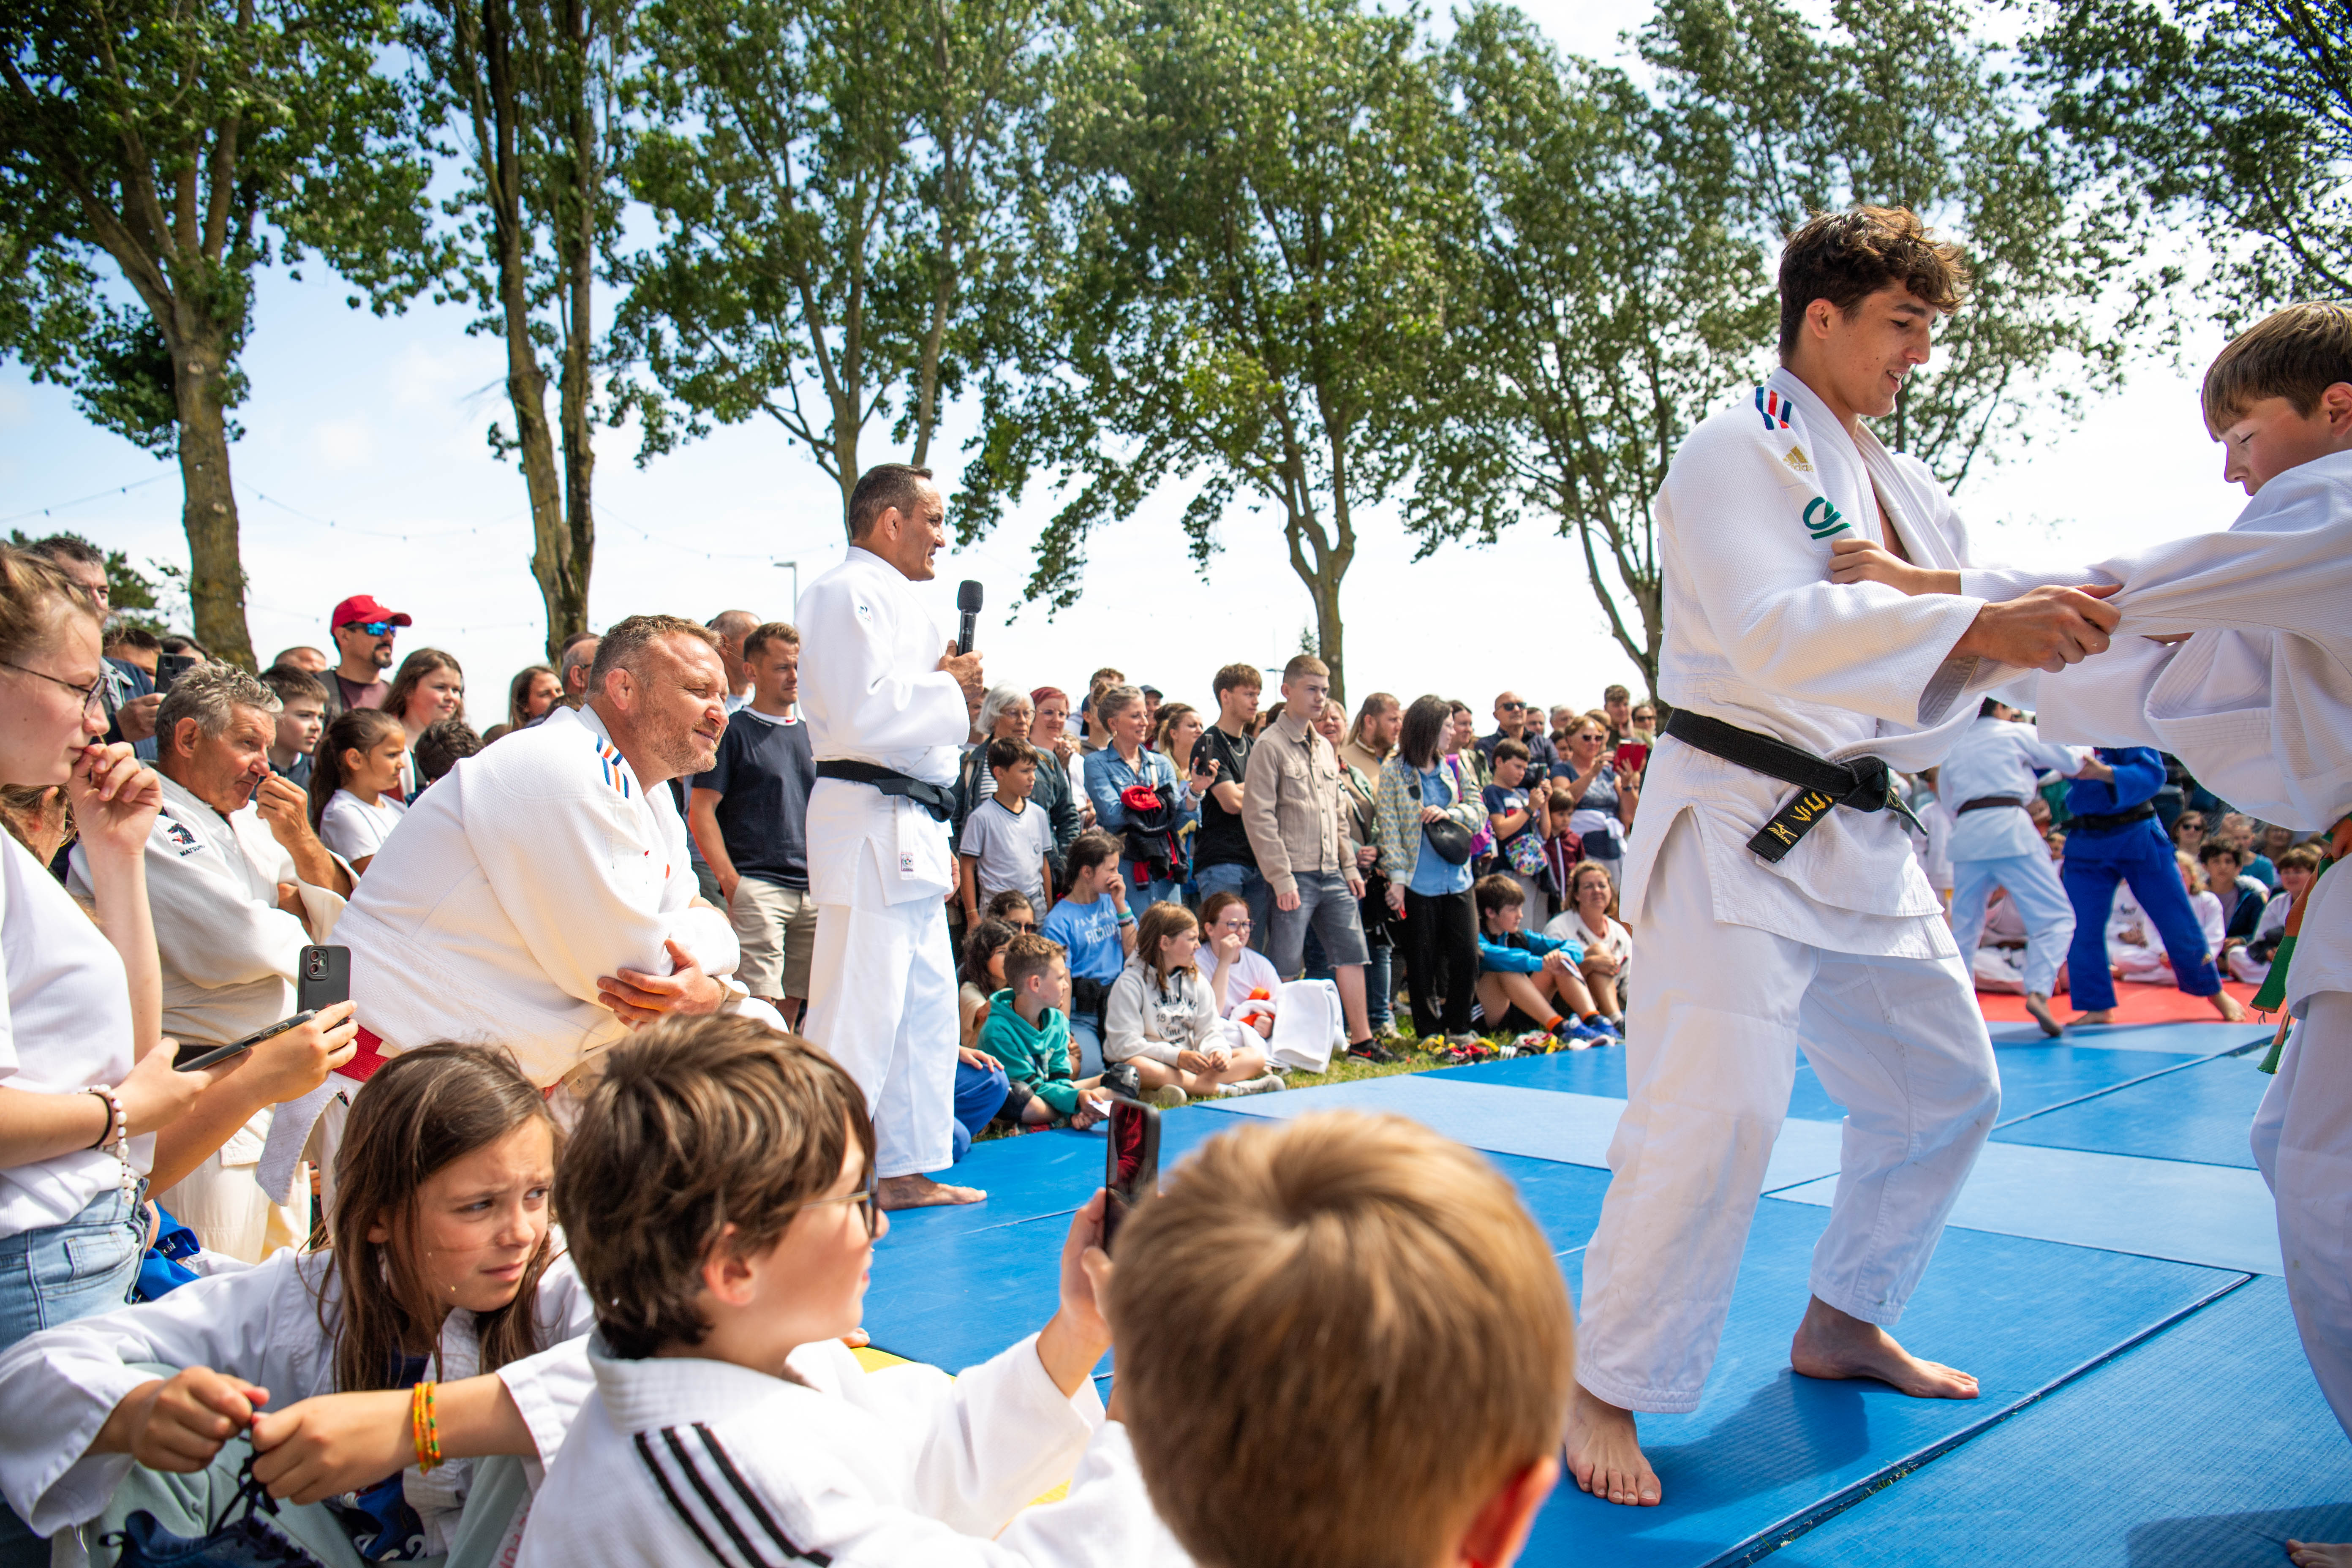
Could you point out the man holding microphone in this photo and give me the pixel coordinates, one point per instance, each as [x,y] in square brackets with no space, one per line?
[886,711]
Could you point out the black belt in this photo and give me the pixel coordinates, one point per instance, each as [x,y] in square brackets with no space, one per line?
[2108,822]
[936,799]
[1988,803]
[1863,785]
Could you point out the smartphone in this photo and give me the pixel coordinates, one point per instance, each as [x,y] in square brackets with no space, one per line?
[1131,1162]
[322,977]
[1632,757]
[219,1054]
[170,666]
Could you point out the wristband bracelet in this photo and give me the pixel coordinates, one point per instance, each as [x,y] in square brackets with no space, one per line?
[424,1429]
[1127,917]
[116,1139]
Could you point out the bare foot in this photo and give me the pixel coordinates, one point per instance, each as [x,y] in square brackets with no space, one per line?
[2314,1554]
[922,1193]
[1605,1454]
[2227,1006]
[2104,1016]
[2040,1007]
[1833,1344]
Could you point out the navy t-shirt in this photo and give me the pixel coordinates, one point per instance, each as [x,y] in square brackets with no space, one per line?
[763,775]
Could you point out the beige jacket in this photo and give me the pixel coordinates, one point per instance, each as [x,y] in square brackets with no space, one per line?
[1290,806]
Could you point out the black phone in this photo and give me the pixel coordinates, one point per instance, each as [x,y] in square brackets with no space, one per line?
[322,977]
[219,1054]
[170,666]
[1130,1161]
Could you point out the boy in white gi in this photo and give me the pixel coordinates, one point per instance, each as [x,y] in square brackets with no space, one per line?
[1991,774]
[885,713]
[1763,913]
[720,1187]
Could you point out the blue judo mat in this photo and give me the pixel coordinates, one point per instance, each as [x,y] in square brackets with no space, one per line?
[2199,1114]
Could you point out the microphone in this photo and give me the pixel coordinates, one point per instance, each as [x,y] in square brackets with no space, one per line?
[968,601]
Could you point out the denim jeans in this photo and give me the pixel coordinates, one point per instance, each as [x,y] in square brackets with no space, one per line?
[978,1092]
[1250,883]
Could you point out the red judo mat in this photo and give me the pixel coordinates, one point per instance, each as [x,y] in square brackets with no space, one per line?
[2135,1004]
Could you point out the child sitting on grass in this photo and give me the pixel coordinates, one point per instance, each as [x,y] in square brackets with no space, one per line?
[1028,1031]
[1162,1019]
[718,1188]
[1521,975]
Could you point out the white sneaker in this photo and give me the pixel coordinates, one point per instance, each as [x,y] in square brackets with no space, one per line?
[1258,1085]
[1168,1096]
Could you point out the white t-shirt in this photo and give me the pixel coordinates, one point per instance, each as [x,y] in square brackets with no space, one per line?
[1252,970]
[1011,848]
[1618,944]
[65,1026]
[354,829]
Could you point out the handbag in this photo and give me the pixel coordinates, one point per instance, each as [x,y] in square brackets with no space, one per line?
[1448,837]
[1526,854]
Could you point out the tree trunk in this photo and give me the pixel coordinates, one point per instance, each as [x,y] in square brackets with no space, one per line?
[215,574]
[567,608]
[1325,587]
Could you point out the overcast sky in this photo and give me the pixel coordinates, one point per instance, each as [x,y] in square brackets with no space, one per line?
[378,425]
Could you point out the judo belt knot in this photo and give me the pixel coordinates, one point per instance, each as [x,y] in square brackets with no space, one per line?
[1863,783]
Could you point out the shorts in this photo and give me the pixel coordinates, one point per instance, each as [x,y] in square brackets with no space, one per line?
[776,928]
[1326,904]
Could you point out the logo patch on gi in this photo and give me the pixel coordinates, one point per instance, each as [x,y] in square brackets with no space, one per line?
[864,612]
[1829,521]
[906,862]
[1795,458]
[182,837]
[1775,408]
[617,777]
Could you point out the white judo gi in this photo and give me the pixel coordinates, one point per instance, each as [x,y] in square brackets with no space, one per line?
[261,1324]
[682,1460]
[882,985]
[2258,704]
[1999,846]
[1841,947]
[228,958]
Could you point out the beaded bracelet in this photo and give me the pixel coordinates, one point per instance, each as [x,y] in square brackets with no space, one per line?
[425,1427]
[116,1138]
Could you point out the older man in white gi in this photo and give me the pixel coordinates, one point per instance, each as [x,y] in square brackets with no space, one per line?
[1766,914]
[539,895]
[886,712]
[1991,774]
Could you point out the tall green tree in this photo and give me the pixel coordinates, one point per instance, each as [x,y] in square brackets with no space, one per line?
[148,150]
[523,95]
[1614,302]
[838,190]
[1247,291]
[2234,115]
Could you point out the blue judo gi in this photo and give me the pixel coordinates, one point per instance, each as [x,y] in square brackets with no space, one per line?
[2138,853]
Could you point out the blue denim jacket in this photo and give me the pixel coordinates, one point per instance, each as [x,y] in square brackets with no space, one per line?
[1107,774]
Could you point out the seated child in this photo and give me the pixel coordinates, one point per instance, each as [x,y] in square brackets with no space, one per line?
[983,976]
[720,1183]
[2135,953]
[1393,1368]
[1162,1018]
[2297,867]
[1238,970]
[1521,975]
[1027,1031]
[444,1265]
[1096,928]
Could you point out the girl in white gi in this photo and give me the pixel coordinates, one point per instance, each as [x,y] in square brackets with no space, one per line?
[2134,952]
[355,784]
[1163,1017]
[719,1184]
[443,1266]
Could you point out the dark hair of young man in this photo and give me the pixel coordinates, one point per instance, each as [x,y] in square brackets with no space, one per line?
[1846,257]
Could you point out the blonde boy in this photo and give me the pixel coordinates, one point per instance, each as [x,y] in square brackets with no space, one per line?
[1391,1339]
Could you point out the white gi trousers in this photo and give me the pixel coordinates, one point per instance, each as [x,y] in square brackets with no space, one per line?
[2303,1140]
[1710,1058]
[882,1001]
[2041,899]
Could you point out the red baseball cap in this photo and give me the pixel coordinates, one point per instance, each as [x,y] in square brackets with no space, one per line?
[363,607]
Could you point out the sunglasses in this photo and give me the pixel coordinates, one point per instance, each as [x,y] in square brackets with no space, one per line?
[864,1198]
[373,628]
[1023,925]
[1512,707]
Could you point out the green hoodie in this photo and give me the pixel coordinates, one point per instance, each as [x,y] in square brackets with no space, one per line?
[1038,1058]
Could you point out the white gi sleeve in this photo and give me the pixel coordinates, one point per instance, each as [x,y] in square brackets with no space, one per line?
[1742,546]
[860,684]
[59,1385]
[547,1390]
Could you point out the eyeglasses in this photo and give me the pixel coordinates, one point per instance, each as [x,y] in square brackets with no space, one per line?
[863,1197]
[1512,707]
[1023,925]
[93,696]
[373,628]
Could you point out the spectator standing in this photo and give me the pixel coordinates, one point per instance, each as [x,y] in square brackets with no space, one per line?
[1373,736]
[355,800]
[306,660]
[1100,681]
[1429,889]
[1562,847]
[1359,822]
[238,883]
[573,664]
[445,743]
[300,720]
[1006,713]
[428,689]
[1517,720]
[1007,844]
[732,627]
[1126,763]
[1519,815]
[535,689]
[130,696]
[750,814]
[1461,744]
[1617,708]
[1604,800]
[1222,861]
[1061,792]
[362,630]
[1297,831]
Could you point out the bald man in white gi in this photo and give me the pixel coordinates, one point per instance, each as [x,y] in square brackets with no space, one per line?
[887,712]
[1771,916]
